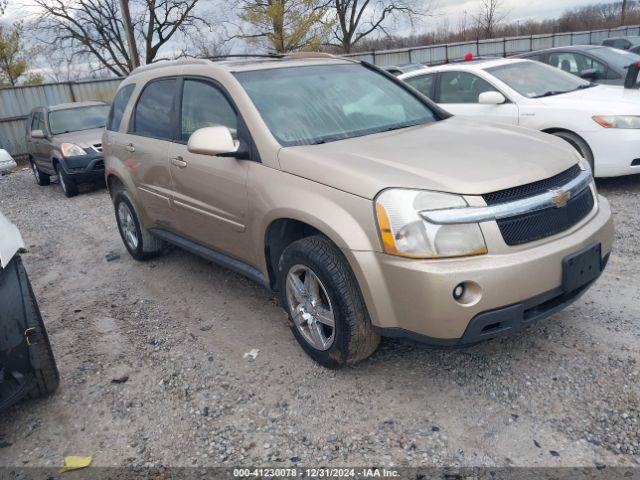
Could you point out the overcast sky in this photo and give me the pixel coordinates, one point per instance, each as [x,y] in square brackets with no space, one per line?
[518,9]
[449,10]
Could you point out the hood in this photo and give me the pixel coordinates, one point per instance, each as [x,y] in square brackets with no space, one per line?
[10,241]
[82,138]
[600,100]
[453,155]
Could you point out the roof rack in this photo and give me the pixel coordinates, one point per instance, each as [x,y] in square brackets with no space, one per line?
[165,63]
[245,55]
[295,55]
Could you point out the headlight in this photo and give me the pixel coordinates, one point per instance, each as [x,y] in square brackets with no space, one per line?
[72,150]
[618,121]
[405,233]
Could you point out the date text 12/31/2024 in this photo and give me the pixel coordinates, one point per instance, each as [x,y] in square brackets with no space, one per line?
[315,472]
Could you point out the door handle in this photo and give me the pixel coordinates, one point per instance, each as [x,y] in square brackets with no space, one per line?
[130,147]
[178,162]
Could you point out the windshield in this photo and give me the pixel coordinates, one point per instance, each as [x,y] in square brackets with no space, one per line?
[74,119]
[324,103]
[617,58]
[533,79]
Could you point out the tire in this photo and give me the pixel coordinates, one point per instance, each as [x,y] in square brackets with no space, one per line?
[579,144]
[352,337]
[69,186]
[140,244]
[42,179]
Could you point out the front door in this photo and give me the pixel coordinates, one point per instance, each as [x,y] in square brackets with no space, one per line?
[459,94]
[210,192]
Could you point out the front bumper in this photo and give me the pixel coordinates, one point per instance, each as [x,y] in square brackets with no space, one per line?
[414,297]
[616,152]
[84,168]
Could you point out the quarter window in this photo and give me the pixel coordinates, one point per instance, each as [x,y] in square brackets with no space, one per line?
[204,105]
[152,117]
[117,107]
[422,83]
[462,87]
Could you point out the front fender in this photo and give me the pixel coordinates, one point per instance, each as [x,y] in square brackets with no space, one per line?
[346,219]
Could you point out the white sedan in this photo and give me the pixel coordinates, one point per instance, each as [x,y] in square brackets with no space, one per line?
[6,162]
[601,122]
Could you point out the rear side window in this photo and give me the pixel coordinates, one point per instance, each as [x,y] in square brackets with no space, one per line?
[152,116]
[117,107]
[422,83]
[204,105]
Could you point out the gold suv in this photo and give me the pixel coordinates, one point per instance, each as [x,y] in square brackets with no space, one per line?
[370,210]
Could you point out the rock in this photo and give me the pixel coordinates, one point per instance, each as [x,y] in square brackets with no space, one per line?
[111,256]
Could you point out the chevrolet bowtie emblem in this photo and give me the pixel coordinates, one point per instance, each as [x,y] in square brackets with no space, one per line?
[560,198]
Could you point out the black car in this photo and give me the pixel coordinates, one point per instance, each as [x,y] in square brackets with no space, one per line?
[631,44]
[600,64]
[27,366]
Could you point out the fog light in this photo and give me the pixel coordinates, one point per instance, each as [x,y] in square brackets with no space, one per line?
[458,292]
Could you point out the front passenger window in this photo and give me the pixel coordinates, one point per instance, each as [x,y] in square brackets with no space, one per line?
[462,87]
[204,105]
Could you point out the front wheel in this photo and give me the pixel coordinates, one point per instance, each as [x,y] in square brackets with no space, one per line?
[42,179]
[69,186]
[140,244]
[328,315]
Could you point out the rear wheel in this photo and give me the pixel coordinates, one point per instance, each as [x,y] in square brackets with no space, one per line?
[328,315]
[69,186]
[141,244]
[42,178]
[579,144]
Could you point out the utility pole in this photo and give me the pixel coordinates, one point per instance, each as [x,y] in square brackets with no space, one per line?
[128,28]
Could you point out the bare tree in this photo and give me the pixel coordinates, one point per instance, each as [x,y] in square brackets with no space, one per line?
[357,19]
[489,17]
[623,12]
[94,28]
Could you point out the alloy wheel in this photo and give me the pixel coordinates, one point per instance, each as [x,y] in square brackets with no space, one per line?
[128,226]
[36,173]
[310,307]
[61,180]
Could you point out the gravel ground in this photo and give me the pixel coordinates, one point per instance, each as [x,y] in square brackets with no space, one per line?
[173,332]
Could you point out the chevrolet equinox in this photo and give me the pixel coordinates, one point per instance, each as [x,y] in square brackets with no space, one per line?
[369,209]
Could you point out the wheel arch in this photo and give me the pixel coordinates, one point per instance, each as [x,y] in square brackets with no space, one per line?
[284,229]
[554,130]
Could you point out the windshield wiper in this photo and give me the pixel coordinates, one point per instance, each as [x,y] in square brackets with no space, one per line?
[551,93]
[328,138]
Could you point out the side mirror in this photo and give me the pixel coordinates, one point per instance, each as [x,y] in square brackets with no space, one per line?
[491,98]
[212,141]
[589,74]
[37,134]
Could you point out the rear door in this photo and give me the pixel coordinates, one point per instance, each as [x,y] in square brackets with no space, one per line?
[210,195]
[459,92]
[146,148]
